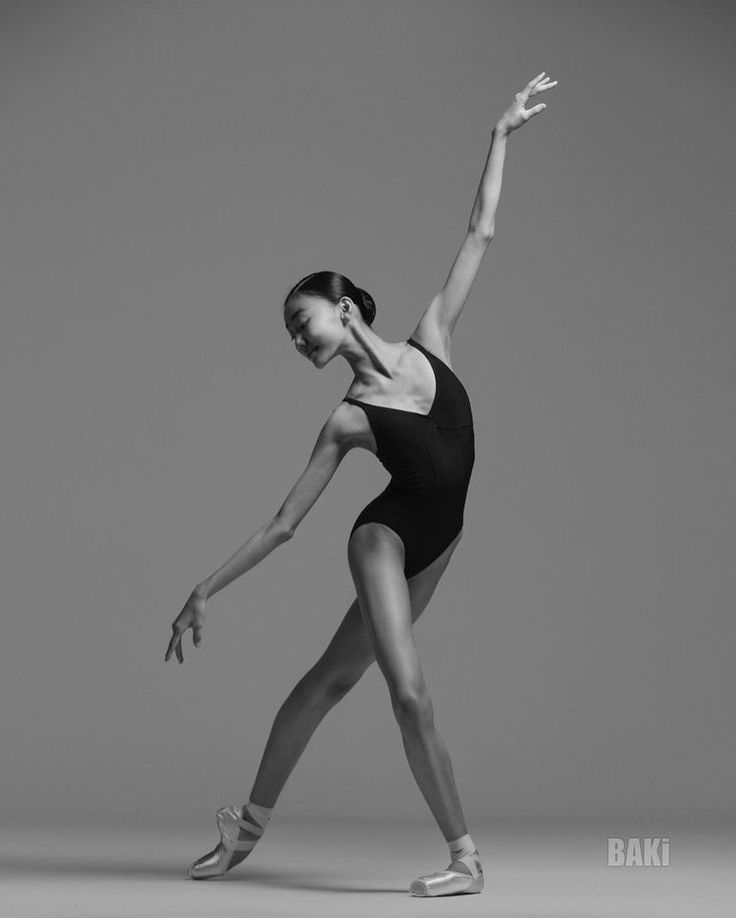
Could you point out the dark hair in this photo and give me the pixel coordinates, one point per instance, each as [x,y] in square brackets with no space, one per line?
[332,286]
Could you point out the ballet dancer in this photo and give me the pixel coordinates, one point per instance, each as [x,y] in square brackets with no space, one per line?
[406,405]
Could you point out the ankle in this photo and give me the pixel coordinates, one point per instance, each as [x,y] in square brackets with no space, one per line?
[461,847]
[258,813]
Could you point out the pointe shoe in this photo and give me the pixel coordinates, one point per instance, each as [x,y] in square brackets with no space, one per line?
[217,862]
[454,880]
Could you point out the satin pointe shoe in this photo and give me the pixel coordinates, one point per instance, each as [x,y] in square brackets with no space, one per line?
[217,862]
[454,880]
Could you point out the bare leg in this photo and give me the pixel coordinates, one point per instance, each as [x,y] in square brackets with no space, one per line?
[430,764]
[297,719]
[346,658]
[376,562]
[340,667]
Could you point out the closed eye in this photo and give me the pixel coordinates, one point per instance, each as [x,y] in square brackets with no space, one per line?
[303,325]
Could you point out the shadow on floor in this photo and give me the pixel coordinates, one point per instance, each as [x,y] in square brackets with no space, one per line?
[278,879]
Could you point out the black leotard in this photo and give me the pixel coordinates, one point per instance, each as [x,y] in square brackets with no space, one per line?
[430,458]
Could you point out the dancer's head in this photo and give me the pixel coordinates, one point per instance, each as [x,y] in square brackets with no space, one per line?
[319,310]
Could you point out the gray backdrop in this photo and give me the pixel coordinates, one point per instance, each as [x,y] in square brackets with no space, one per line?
[169,170]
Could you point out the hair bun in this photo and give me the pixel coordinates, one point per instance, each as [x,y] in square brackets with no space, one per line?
[369,306]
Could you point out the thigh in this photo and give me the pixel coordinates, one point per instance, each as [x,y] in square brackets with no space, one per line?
[350,651]
[390,604]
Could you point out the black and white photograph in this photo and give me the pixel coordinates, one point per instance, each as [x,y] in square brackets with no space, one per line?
[368,482]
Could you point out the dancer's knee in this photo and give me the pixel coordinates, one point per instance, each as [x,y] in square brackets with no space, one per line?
[412,707]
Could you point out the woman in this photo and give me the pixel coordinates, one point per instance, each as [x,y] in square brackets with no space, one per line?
[406,405]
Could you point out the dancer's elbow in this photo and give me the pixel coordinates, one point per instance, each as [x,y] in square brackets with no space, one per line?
[283,528]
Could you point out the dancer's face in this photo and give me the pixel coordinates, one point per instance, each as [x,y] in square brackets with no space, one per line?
[314,325]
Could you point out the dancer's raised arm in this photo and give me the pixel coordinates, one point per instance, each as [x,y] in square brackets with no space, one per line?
[439,318]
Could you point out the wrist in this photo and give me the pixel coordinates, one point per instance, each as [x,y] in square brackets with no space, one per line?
[201,591]
[501,130]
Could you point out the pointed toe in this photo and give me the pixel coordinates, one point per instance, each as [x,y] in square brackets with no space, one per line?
[446,883]
[210,865]
[218,861]
[451,881]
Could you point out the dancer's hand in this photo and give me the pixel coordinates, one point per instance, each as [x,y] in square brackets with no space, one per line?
[516,115]
[191,616]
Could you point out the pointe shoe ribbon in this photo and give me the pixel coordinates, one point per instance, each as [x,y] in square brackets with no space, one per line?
[217,862]
[451,881]
[230,823]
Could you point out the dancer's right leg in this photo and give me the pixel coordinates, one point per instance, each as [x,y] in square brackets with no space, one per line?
[346,658]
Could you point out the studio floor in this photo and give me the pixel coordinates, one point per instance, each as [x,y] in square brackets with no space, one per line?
[354,868]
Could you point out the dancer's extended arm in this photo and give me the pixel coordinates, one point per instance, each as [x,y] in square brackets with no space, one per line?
[327,454]
[439,318]
[333,443]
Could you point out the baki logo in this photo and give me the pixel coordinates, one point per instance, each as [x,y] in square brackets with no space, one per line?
[629,852]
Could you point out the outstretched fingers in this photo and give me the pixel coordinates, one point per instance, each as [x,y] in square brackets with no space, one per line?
[537,85]
[528,89]
[175,644]
[197,633]
[191,616]
[540,83]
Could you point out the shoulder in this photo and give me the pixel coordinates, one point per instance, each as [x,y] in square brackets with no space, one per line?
[346,426]
[430,335]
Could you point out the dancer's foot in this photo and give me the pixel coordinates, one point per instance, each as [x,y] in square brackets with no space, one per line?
[464,875]
[240,829]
